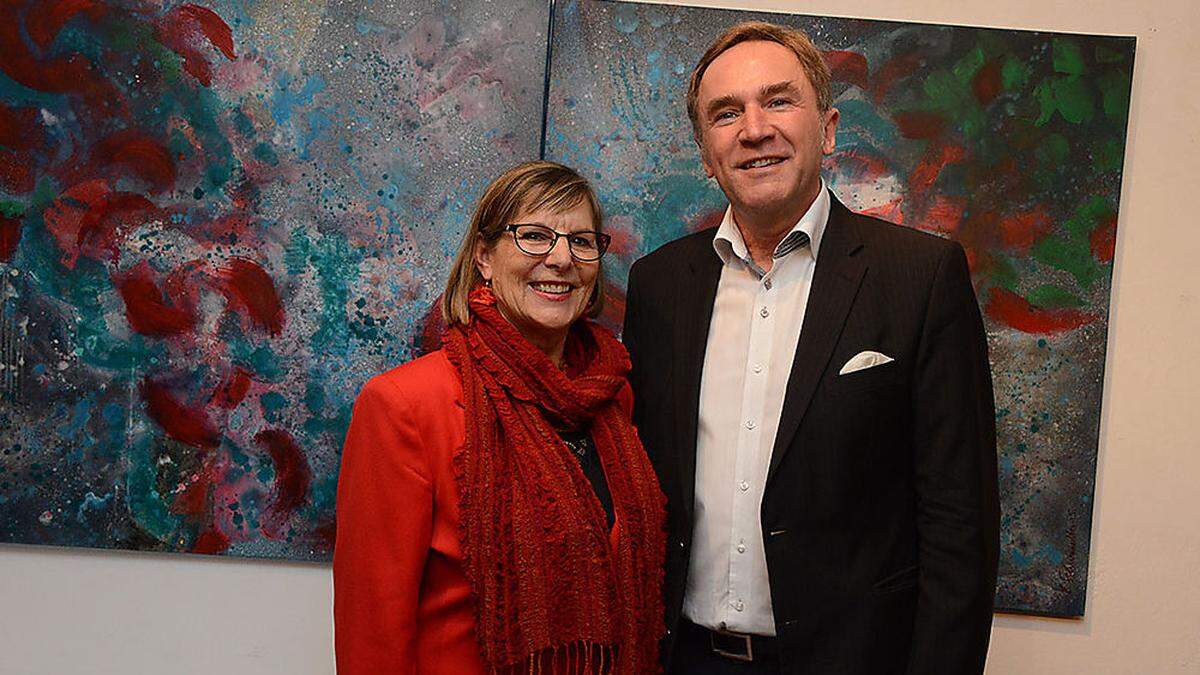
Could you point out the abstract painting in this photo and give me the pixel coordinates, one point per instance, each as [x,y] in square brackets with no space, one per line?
[217,220]
[1010,142]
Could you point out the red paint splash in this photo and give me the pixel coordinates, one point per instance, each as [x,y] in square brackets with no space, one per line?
[190,426]
[613,314]
[249,287]
[139,155]
[16,174]
[91,220]
[10,236]
[71,74]
[148,310]
[211,542]
[892,71]
[233,390]
[846,66]
[180,29]
[1103,239]
[50,16]
[892,211]
[858,164]
[919,124]
[20,128]
[1015,312]
[936,158]
[292,476]
[944,214]
[986,84]
[1020,231]
[21,135]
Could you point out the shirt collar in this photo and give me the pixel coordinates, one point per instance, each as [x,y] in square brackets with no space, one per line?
[728,242]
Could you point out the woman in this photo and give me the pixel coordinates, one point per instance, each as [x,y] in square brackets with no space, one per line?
[496,511]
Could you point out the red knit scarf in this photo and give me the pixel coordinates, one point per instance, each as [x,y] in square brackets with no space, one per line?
[551,594]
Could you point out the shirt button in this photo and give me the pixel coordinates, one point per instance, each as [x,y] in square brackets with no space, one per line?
[741,547]
[750,424]
[744,486]
[764,313]
[767,284]
[739,606]
[758,367]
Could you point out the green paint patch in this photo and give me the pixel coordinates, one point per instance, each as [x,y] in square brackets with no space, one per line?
[1109,154]
[1114,89]
[1069,96]
[1070,254]
[1067,58]
[1048,296]
[1087,215]
[1002,272]
[1014,74]
[969,65]
[1054,149]
[11,209]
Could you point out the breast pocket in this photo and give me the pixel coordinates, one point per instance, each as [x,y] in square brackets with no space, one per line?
[876,377]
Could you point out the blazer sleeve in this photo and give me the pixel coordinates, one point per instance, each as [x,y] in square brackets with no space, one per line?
[384,527]
[958,516]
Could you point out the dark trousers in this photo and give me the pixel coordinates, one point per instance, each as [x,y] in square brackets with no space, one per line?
[694,656]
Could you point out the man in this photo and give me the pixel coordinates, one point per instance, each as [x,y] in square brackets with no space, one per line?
[813,388]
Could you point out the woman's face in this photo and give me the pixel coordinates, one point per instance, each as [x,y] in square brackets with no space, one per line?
[541,295]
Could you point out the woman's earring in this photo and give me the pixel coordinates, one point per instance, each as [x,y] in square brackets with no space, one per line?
[487,282]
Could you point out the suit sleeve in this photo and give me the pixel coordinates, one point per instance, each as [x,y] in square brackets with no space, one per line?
[955,470]
[384,527]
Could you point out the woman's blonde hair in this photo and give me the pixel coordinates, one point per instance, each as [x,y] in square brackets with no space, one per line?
[532,186]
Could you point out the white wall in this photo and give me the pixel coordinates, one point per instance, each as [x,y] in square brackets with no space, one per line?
[68,611]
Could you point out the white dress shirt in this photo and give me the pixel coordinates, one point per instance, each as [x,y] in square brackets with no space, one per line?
[751,342]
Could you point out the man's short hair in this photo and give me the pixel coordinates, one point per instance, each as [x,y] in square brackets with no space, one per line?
[793,38]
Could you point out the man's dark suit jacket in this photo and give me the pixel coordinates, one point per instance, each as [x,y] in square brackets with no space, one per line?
[880,515]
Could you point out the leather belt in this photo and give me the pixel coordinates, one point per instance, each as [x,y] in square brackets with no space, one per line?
[737,646]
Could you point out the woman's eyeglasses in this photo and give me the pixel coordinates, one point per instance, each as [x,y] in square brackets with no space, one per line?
[534,239]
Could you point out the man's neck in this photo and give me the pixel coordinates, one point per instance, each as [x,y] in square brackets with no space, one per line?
[762,232]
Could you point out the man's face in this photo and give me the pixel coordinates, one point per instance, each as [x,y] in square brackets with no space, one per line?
[762,134]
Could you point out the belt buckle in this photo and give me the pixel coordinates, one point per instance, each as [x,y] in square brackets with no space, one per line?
[746,657]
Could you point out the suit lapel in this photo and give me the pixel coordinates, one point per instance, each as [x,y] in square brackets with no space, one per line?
[695,307]
[835,283]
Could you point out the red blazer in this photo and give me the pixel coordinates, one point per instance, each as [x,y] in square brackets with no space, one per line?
[401,602]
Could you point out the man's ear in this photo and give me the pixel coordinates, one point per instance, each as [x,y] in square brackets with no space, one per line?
[831,122]
[483,260]
[704,160]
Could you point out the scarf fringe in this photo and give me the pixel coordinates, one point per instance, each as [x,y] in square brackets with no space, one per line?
[582,657]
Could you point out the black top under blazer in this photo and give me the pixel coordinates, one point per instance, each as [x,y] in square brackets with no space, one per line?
[880,515]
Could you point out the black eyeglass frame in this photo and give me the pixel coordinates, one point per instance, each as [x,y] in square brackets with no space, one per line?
[602,240]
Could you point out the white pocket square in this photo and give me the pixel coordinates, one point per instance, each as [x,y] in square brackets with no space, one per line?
[864,360]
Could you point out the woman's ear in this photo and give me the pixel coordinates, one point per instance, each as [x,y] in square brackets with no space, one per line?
[483,260]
